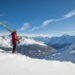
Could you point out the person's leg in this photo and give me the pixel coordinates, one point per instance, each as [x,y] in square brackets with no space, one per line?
[14,48]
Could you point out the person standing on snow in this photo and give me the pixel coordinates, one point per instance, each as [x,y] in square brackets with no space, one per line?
[14,41]
[14,37]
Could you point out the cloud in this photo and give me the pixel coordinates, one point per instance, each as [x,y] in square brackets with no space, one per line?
[64,33]
[25,26]
[47,22]
[70,14]
[35,28]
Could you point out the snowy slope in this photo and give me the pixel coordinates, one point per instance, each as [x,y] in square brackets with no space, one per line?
[16,64]
[64,54]
[5,42]
[41,40]
[71,48]
[29,41]
[32,48]
[65,39]
[61,42]
[27,46]
[69,53]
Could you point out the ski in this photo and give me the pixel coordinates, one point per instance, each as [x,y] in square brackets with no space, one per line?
[8,29]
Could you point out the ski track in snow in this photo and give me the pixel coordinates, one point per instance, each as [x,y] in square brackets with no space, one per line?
[17,64]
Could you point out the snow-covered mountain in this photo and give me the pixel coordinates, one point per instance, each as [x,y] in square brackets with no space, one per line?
[36,50]
[61,42]
[30,41]
[51,48]
[64,45]
[27,46]
[64,54]
[64,39]
[55,42]
[5,41]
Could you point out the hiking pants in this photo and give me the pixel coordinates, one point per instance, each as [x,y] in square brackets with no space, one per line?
[14,48]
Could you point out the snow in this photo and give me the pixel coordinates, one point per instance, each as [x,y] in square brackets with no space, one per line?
[72,51]
[71,48]
[4,42]
[16,64]
[27,41]
[65,39]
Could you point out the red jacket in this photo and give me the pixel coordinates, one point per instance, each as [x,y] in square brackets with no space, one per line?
[14,38]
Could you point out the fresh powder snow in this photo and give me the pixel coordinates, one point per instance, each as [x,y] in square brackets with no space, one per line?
[17,64]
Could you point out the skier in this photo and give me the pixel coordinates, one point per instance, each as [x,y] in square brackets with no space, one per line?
[14,37]
[14,41]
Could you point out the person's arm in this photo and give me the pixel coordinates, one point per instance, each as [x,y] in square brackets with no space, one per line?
[16,38]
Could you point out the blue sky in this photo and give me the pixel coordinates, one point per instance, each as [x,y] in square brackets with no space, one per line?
[38,16]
